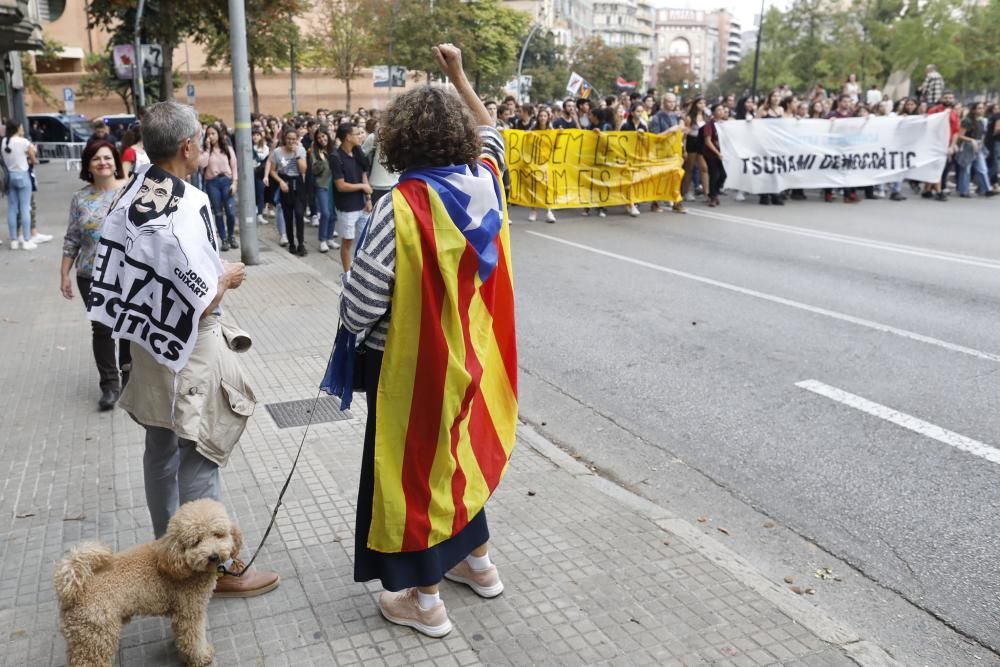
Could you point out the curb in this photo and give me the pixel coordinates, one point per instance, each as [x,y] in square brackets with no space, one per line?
[828,629]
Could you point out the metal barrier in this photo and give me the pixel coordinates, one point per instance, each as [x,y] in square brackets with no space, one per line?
[60,149]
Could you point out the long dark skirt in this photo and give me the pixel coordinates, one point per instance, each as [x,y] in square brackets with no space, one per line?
[397,571]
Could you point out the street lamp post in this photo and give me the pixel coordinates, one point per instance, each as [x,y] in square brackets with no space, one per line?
[756,55]
[241,112]
[140,88]
[520,61]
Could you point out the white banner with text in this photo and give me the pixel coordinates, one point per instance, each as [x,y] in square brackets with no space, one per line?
[771,155]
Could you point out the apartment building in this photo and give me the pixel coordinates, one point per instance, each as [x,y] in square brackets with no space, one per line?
[709,42]
[622,23]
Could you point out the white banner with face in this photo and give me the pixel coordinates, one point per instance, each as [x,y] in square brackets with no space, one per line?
[771,155]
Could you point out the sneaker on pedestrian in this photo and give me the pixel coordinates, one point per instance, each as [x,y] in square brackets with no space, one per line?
[225,246]
[895,196]
[108,399]
[28,245]
[261,219]
[233,244]
[314,221]
[333,244]
[40,238]
[740,196]
[302,250]
[632,210]
[323,247]
[402,608]
[532,217]
[284,241]
[602,213]
[486,583]
[678,207]
[249,584]
[940,196]
[550,216]
[14,244]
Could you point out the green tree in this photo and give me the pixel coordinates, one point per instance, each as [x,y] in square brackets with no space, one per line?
[48,56]
[632,68]
[545,61]
[164,22]
[343,42]
[269,41]
[599,64]
[495,30]
[409,28]
[672,74]
[99,81]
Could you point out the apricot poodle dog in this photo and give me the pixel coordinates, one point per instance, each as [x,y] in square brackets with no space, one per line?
[99,591]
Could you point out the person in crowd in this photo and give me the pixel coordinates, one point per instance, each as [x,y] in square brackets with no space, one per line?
[601,120]
[287,168]
[932,89]
[101,131]
[543,121]
[431,134]
[568,120]
[946,105]
[971,155]
[993,142]
[133,155]
[712,153]
[354,194]
[583,113]
[634,123]
[260,151]
[665,121]
[318,163]
[525,118]
[816,109]
[746,110]
[873,96]
[696,119]
[771,109]
[177,421]
[381,179]
[102,170]
[19,155]
[218,164]
[851,87]
[491,108]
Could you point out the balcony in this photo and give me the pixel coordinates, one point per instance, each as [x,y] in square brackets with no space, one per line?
[20,29]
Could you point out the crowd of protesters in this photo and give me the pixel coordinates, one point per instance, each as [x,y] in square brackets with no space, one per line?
[974,138]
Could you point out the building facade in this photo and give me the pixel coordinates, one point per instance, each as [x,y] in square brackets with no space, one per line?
[622,23]
[709,42]
[20,30]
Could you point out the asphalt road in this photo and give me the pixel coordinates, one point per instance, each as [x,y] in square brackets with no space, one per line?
[828,370]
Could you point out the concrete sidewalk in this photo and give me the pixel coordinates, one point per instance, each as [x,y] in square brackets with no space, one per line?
[593,574]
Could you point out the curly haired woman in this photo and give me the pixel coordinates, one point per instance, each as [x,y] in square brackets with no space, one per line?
[431,285]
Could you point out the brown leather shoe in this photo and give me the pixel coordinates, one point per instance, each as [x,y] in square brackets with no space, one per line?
[251,584]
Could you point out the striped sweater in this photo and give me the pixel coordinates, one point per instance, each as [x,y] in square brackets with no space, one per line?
[368,290]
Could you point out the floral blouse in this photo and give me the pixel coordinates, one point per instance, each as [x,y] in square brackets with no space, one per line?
[86,215]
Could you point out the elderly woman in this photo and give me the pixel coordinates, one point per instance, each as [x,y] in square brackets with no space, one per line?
[101,169]
[431,286]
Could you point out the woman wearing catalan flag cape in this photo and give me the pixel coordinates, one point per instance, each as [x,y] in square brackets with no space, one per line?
[431,293]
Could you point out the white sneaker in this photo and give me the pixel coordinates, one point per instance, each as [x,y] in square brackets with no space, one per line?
[532,217]
[550,216]
[323,247]
[14,244]
[39,238]
[284,241]
[740,196]
[314,221]
[261,220]
[28,245]
[633,210]
[602,213]
[333,244]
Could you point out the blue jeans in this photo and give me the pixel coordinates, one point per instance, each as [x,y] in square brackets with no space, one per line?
[279,215]
[978,165]
[19,204]
[222,199]
[258,193]
[327,216]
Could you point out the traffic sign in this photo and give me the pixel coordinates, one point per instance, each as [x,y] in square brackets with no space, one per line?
[69,100]
[190,94]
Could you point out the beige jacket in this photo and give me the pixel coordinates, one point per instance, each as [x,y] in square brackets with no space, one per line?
[209,401]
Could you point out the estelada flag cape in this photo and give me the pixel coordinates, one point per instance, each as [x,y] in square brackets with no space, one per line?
[447,393]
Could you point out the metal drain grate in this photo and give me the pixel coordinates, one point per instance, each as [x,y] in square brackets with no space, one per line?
[296,413]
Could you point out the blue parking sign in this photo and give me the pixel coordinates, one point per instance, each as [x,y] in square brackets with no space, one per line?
[69,99]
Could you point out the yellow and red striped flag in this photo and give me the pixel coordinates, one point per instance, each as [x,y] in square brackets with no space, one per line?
[447,394]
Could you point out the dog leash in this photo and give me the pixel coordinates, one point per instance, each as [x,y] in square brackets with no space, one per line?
[281,494]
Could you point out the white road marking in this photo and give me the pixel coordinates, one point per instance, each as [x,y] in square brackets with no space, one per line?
[877,326]
[909,422]
[970,260]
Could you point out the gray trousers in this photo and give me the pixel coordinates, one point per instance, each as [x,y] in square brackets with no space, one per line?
[175,473]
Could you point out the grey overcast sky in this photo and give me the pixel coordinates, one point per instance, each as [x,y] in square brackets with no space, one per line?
[745,10]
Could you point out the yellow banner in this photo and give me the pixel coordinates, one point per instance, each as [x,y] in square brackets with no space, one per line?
[576,168]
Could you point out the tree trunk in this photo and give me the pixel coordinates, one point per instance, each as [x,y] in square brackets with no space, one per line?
[253,88]
[348,82]
[167,75]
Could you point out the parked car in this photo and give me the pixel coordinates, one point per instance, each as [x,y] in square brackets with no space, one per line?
[113,121]
[59,128]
